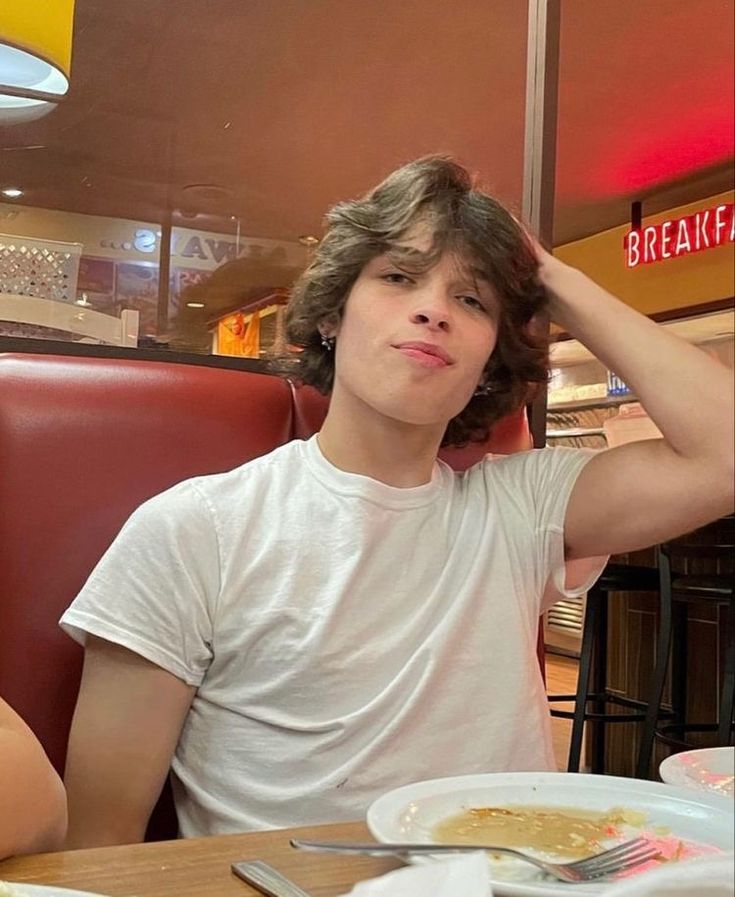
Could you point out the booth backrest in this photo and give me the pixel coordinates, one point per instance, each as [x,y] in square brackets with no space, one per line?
[83,442]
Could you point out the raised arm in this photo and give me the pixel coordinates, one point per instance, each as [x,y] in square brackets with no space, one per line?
[32,798]
[126,726]
[642,493]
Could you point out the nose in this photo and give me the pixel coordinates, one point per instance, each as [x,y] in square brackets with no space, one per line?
[432,311]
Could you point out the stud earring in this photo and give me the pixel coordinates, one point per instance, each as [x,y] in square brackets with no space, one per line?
[484,389]
[328,342]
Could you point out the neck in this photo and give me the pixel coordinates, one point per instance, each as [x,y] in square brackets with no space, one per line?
[359,440]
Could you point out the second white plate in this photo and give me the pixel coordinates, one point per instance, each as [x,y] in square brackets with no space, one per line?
[705,769]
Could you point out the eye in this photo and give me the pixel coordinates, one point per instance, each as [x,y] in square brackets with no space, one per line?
[396,277]
[472,302]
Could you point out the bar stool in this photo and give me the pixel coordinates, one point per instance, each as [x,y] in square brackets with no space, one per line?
[592,682]
[680,589]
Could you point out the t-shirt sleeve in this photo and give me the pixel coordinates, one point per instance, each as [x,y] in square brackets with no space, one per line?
[155,588]
[542,481]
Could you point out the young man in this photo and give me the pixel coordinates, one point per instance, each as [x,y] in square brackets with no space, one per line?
[345,614]
[32,798]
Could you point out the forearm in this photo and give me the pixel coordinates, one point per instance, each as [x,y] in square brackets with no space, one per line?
[688,394]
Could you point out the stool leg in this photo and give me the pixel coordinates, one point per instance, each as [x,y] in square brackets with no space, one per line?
[585,666]
[679,665]
[727,697]
[599,686]
[661,662]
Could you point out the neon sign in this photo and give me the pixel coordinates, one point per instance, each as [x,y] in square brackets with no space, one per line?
[680,236]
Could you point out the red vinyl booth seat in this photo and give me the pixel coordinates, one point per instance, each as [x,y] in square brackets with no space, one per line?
[83,442]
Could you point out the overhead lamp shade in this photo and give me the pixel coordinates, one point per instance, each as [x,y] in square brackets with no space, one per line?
[35,51]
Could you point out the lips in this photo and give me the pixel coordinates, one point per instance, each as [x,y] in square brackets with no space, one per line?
[427,353]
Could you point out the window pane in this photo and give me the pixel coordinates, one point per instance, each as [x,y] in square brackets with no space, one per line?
[199,146]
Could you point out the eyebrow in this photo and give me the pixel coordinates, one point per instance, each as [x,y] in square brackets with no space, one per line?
[404,253]
[477,278]
[479,274]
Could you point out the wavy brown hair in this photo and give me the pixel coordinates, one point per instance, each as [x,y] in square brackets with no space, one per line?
[463,220]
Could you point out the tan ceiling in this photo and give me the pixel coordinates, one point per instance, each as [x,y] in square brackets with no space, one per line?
[291,105]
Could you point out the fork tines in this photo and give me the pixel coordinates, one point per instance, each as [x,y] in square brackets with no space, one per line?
[617,859]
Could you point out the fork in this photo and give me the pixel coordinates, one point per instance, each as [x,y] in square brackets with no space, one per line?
[616,859]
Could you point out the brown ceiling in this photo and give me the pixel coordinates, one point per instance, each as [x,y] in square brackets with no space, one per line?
[291,105]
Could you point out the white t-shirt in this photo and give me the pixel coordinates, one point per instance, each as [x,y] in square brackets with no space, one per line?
[345,636]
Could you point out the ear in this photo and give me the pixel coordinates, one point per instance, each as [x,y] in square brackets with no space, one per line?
[329,327]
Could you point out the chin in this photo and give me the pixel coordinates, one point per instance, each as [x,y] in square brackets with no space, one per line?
[413,414]
[409,403]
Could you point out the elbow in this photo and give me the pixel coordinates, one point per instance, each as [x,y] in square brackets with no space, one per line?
[722,502]
[729,465]
[717,464]
[79,836]
[92,824]
[728,505]
[727,484]
[716,475]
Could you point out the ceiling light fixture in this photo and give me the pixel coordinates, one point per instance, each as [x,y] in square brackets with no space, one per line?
[308,240]
[195,305]
[35,57]
[12,192]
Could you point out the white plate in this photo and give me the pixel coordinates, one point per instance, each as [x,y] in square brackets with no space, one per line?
[23,890]
[707,769]
[410,813]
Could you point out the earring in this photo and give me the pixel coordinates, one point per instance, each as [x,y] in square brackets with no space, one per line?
[328,342]
[484,389]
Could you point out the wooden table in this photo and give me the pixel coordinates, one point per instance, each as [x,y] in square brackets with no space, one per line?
[200,867]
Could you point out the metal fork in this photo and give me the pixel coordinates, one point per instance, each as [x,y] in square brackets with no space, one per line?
[616,859]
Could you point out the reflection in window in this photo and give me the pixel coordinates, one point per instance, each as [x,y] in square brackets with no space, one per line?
[218,282]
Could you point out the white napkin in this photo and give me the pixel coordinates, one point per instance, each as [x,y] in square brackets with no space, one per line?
[710,876]
[467,875]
